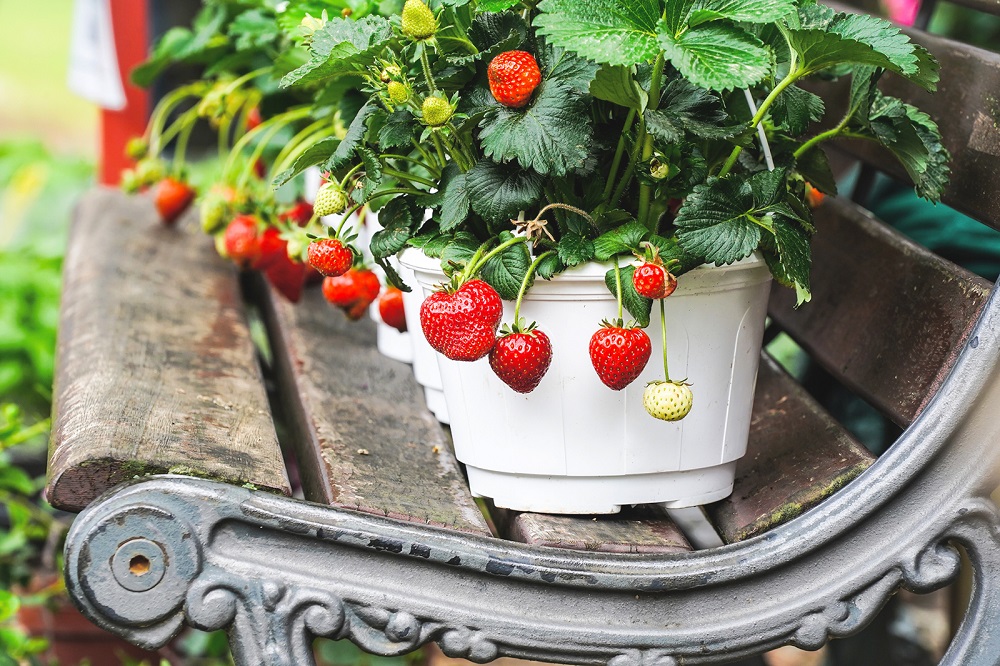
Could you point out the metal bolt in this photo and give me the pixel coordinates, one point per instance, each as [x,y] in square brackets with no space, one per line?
[139,565]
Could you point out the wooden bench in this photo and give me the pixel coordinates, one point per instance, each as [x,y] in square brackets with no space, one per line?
[159,387]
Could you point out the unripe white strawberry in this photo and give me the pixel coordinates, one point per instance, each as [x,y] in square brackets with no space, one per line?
[668,401]
[330,200]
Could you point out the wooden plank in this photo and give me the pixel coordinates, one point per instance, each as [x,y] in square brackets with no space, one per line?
[642,529]
[888,318]
[967,110]
[156,369]
[797,456]
[364,437]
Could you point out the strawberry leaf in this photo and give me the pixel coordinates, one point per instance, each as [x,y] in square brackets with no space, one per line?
[505,272]
[459,251]
[353,139]
[616,32]
[685,107]
[549,266]
[637,306]
[341,47]
[400,219]
[551,136]
[746,11]
[493,34]
[717,56]
[793,257]
[455,200]
[496,5]
[618,84]
[559,64]
[815,168]
[498,192]
[620,240]
[722,219]
[399,130]
[574,249]
[795,108]
[315,154]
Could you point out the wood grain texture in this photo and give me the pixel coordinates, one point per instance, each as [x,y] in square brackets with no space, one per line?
[888,318]
[364,437]
[156,371]
[966,107]
[639,530]
[797,456]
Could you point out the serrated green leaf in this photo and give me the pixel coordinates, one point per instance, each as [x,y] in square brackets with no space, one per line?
[9,603]
[574,249]
[505,272]
[254,29]
[715,221]
[794,256]
[432,244]
[795,109]
[616,32]
[496,5]
[400,220]
[860,39]
[686,107]
[459,251]
[551,136]
[172,43]
[638,306]
[744,11]
[676,16]
[549,267]
[354,138]
[493,34]
[454,200]
[398,131]
[914,139]
[566,67]
[717,56]
[342,47]
[673,255]
[498,192]
[618,84]
[373,172]
[17,480]
[625,238]
[317,153]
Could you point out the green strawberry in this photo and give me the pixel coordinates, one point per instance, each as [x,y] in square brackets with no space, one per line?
[418,20]
[667,401]
[330,200]
[398,92]
[437,111]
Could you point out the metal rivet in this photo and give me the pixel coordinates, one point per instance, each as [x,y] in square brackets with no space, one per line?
[138,565]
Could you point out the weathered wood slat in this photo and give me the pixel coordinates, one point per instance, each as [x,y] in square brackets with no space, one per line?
[156,370]
[364,437]
[967,109]
[634,530]
[888,318]
[797,456]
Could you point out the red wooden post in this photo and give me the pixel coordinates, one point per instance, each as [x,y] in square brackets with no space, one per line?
[130,21]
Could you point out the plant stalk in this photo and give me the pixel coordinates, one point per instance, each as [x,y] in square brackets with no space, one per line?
[524,285]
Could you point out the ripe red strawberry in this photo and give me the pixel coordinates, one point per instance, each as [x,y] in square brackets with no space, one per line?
[241,240]
[287,276]
[353,291]
[520,360]
[271,247]
[462,325]
[513,76]
[653,281]
[330,256]
[300,213]
[390,308]
[619,354]
[254,118]
[172,198]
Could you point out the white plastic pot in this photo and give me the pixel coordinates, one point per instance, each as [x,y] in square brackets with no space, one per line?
[391,343]
[575,446]
[425,359]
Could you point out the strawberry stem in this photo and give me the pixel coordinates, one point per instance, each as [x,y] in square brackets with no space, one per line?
[618,287]
[426,65]
[619,153]
[524,286]
[476,265]
[663,331]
